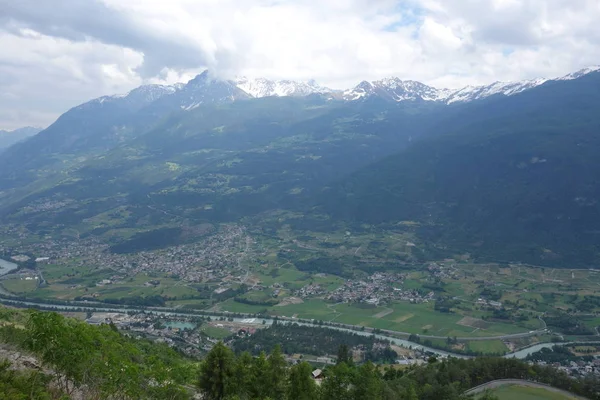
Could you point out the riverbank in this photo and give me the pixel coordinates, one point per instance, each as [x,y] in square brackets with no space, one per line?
[249,319]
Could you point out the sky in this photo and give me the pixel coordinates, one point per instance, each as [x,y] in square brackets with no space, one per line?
[56,54]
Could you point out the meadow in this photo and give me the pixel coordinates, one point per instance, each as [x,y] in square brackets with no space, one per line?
[403,317]
[515,392]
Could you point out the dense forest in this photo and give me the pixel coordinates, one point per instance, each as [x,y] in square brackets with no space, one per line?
[296,339]
[225,376]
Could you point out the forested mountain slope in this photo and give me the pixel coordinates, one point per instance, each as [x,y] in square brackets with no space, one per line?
[219,163]
[510,179]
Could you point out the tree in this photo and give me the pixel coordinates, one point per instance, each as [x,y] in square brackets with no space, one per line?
[301,385]
[278,373]
[344,355]
[411,393]
[261,378]
[216,372]
[367,383]
[242,376]
[61,343]
[337,382]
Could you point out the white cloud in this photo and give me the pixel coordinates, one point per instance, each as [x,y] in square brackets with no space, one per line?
[59,53]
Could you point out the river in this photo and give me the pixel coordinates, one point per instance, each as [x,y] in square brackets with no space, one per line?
[6,267]
[259,321]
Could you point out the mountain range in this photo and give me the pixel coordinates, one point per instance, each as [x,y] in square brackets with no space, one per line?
[8,138]
[206,89]
[501,172]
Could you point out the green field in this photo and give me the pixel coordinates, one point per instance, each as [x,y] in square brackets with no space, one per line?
[68,283]
[234,306]
[488,346]
[214,332]
[402,317]
[514,392]
[294,279]
[19,285]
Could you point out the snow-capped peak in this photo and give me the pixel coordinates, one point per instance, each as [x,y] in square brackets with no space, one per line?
[261,87]
[206,88]
[142,95]
[580,73]
[470,93]
[393,89]
[398,90]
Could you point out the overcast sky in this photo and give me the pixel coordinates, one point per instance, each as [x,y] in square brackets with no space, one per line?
[55,54]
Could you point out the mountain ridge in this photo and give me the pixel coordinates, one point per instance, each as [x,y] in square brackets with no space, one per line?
[8,138]
[390,88]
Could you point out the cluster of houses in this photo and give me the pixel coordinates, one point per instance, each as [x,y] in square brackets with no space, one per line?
[576,368]
[381,287]
[208,260]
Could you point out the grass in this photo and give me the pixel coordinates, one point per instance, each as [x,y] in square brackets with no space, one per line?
[68,283]
[405,317]
[310,309]
[488,346]
[214,332]
[19,285]
[269,276]
[234,306]
[294,278]
[515,392]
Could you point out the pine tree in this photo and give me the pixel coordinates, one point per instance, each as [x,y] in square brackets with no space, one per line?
[216,373]
[261,378]
[344,355]
[278,373]
[336,384]
[411,393]
[242,376]
[301,385]
[367,383]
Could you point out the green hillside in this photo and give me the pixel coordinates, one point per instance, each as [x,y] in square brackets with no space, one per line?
[512,180]
[214,164]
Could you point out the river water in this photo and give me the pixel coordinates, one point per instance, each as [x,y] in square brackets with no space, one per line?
[6,267]
[259,321]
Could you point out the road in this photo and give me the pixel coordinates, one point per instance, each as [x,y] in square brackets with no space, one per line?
[519,382]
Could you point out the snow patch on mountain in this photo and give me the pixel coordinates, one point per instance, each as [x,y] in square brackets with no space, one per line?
[138,97]
[395,89]
[207,89]
[580,73]
[261,87]
[471,93]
